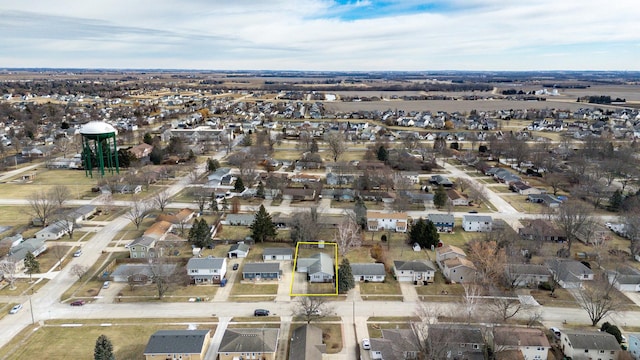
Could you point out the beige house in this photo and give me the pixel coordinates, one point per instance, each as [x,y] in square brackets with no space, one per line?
[248,344]
[387,221]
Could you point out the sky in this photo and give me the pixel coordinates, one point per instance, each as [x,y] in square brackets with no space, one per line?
[322,35]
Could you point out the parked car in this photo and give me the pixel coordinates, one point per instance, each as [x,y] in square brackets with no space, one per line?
[260,312]
[15,309]
[556,332]
[235,266]
[366,344]
[78,303]
[106,284]
[473,212]
[77,253]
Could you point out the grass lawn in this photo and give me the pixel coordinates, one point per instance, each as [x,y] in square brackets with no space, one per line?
[520,203]
[441,289]
[390,286]
[175,293]
[233,232]
[49,258]
[375,329]
[321,288]
[254,289]
[14,215]
[22,287]
[90,284]
[331,336]
[129,341]
[562,298]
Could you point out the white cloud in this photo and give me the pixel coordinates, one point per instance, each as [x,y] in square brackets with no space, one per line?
[311,35]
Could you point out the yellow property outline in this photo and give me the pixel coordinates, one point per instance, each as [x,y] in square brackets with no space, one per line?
[295,261]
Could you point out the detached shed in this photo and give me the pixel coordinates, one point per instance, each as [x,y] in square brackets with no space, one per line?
[277,254]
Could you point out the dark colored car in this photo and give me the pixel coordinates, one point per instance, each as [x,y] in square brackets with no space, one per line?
[261,312]
[77,303]
[235,267]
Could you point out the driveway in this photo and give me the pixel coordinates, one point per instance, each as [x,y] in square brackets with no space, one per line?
[110,295]
[409,292]
[284,285]
[223,292]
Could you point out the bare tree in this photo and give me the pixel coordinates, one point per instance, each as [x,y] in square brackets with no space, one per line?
[337,145]
[470,300]
[162,275]
[570,219]
[304,225]
[67,223]
[347,236]
[200,198]
[489,259]
[43,206]
[505,308]
[311,308]
[161,199]
[556,181]
[59,252]
[79,270]
[137,212]
[597,298]
[8,267]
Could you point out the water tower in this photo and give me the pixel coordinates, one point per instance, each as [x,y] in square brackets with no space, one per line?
[99,147]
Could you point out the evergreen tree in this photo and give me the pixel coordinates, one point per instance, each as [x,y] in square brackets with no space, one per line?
[214,203]
[613,330]
[440,197]
[199,235]
[260,190]
[262,227]
[156,156]
[382,154]
[147,139]
[360,209]
[103,349]
[424,233]
[31,265]
[314,146]
[239,185]
[345,277]
[212,164]
[616,200]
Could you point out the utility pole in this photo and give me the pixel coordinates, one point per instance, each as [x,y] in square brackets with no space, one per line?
[33,321]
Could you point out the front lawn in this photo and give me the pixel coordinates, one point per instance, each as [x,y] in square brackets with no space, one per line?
[389,287]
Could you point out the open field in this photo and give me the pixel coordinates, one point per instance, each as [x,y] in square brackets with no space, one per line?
[78,184]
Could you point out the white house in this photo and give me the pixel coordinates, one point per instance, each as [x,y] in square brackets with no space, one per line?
[239,250]
[587,345]
[319,267]
[207,270]
[387,221]
[55,231]
[277,254]
[625,278]
[569,273]
[410,271]
[368,272]
[478,223]
[531,342]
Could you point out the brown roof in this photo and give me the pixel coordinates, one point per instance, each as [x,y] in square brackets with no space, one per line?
[158,229]
[459,261]
[141,150]
[450,248]
[454,194]
[380,215]
[516,336]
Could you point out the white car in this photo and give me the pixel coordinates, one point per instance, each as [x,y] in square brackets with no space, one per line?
[15,309]
[366,344]
[77,253]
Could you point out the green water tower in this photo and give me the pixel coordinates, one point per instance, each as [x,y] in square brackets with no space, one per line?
[99,147]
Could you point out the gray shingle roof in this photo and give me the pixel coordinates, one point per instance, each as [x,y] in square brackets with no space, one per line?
[363,269]
[241,340]
[272,267]
[205,263]
[306,343]
[592,340]
[176,342]
[277,251]
[239,247]
[418,266]
[476,218]
[441,218]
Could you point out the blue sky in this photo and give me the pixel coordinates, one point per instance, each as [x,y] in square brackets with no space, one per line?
[360,35]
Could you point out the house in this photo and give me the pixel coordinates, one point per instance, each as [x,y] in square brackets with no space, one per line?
[138,273]
[625,278]
[634,345]
[547,199]
[207,270]
[456,341]
[126,189]
[319,267]
[181,217]
[531,342]
[587,345]
[141,151]
[443,222]
[387,221]
[456,198]
[395,344]
[277,254]
[249,343]
[569,273]
[82,213]
[526,274]
[239,219]
[18,253]
[447,252]
[143,247]
[55,231]
[178,344]
[440,180]
[459,270]
[541,230]
[479,223]
[413,271]
[215,179]
[524,189]
[340,179]
[306,343]
[239,250]
[261,271]
[299,194]
[368,272]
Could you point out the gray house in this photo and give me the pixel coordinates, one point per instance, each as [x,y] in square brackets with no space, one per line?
[238,251]
[395,344]
[410,271]
[527,274]
[239,219]
[569,273]
[182,344]
[443,222]
[306,343]
[373,272]
[261,271]
[319,267]
[277,254]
